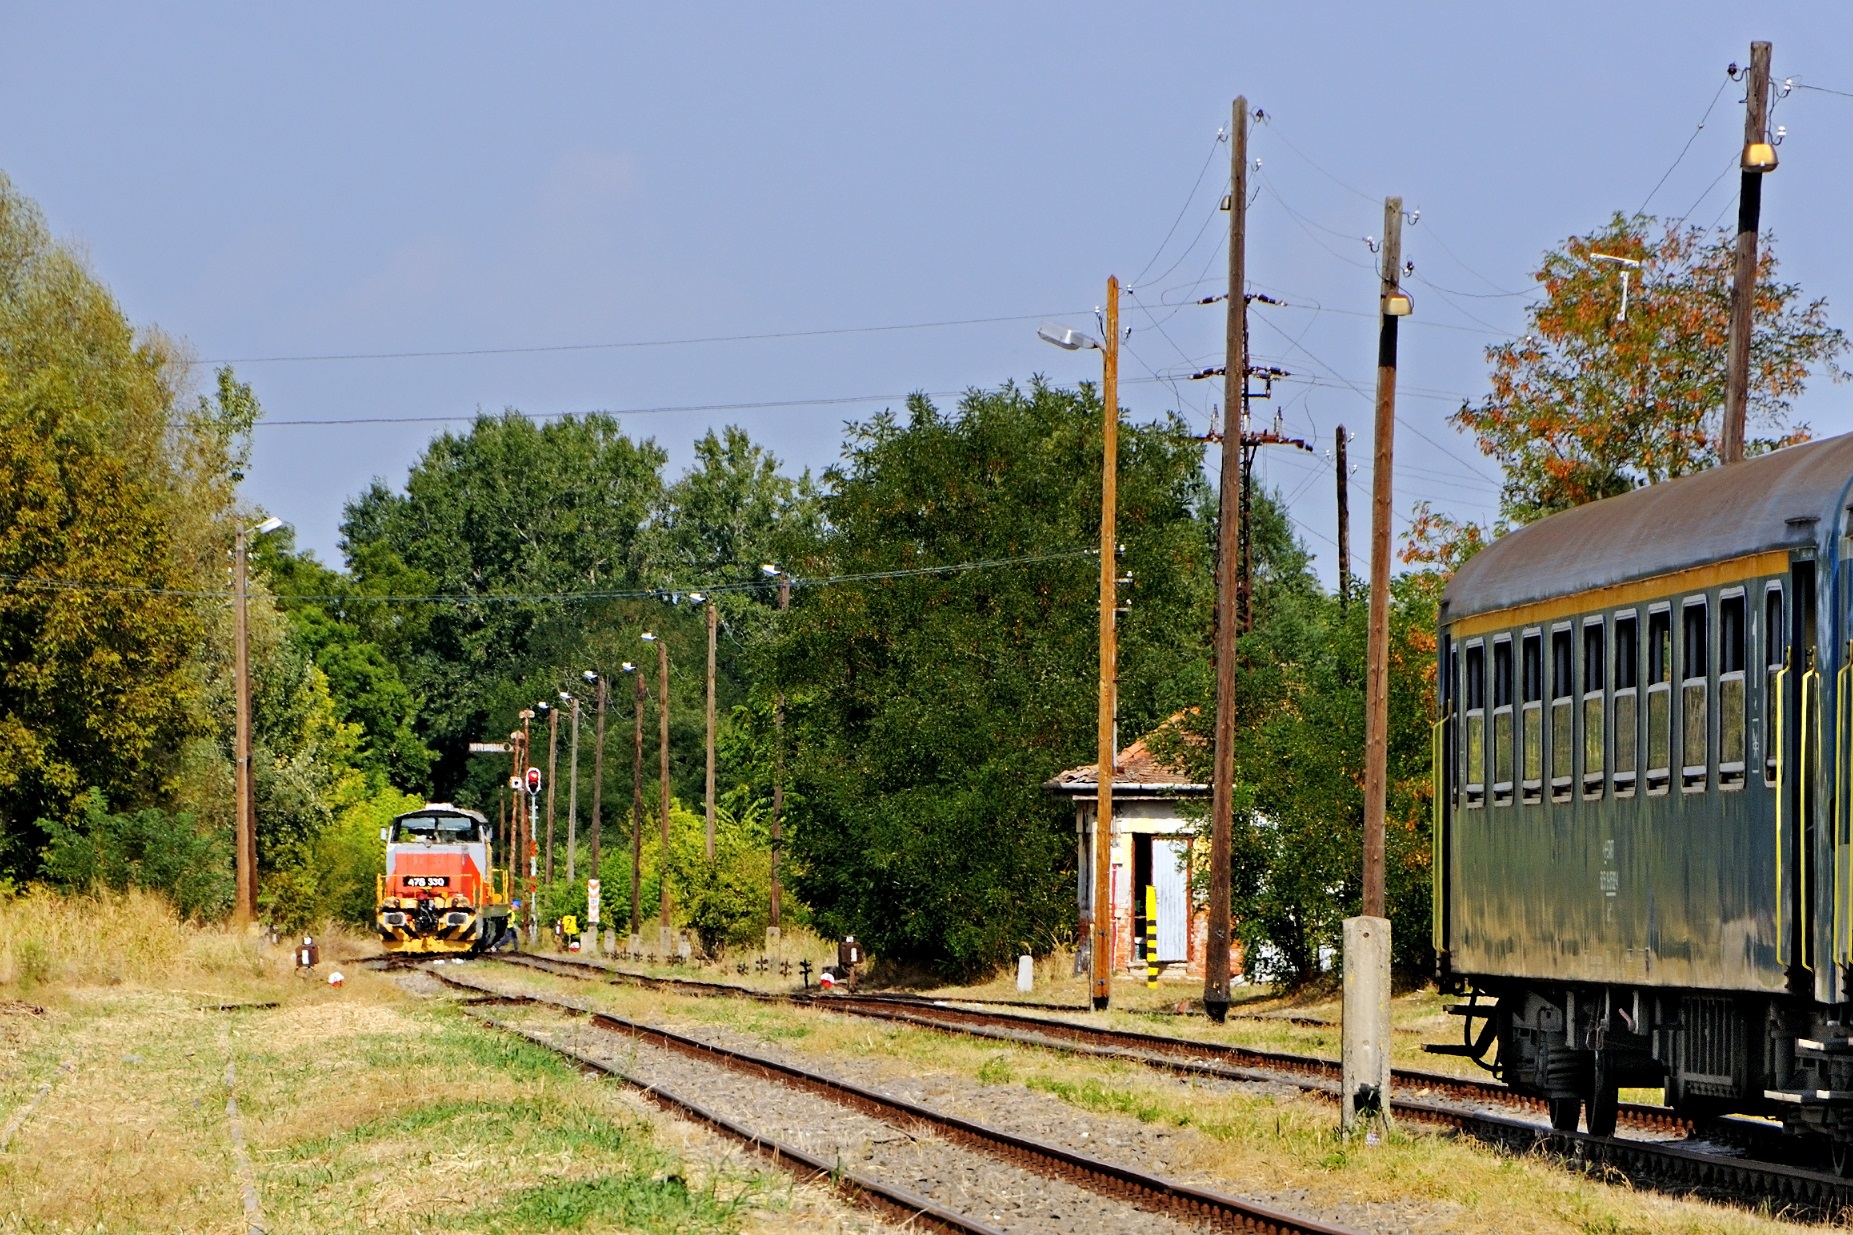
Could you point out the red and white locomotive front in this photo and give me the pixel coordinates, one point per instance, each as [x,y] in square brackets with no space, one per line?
[438,892]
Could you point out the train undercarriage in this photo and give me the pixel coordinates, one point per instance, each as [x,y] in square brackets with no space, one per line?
[1712,1053]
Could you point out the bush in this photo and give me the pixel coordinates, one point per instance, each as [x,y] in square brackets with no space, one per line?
[150,850]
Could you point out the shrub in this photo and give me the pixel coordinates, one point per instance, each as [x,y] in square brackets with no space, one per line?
[150,850]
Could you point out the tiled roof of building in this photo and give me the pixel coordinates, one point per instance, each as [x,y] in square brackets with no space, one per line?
[1136,768]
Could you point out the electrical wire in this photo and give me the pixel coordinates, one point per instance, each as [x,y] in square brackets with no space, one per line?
[24,583]
[1189,197]
[1728,169]
[641,343]
[1823,90]
[1683,149]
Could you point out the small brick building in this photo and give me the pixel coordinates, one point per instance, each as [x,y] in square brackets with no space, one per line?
[1153,845]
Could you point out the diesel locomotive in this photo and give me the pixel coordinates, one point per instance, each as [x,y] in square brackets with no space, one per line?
[1644,798]
[439,892]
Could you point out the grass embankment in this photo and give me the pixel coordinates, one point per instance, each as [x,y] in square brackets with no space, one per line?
[1281,1146]
[364,1108]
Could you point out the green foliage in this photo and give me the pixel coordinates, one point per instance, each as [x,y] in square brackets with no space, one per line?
[101,480]
[927,710]
[148,849]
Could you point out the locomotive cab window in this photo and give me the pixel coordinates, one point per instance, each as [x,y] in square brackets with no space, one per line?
[1531,717]
[1473,711]
[1659,698]
[1563,742]
[1595,679]
[1694,709]
[1502,722]
[1627,713]
[1775,655]
[1732,655]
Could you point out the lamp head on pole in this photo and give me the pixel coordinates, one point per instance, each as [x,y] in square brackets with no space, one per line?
[1065,337]
[648,636]
[1398,304]
[590,676]
[769,570]
[1759,157]
[628,667]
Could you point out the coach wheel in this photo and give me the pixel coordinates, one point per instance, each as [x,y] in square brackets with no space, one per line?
[1604,1107]
[1566,1113]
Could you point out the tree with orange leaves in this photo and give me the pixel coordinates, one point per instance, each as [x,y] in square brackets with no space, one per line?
[1590,403]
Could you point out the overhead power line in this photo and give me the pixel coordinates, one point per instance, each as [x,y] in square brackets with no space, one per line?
[640,343]
[25,583]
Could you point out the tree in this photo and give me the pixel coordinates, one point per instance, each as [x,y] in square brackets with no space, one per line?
[1587,405]
[504,517]
[928,708]
[111,495]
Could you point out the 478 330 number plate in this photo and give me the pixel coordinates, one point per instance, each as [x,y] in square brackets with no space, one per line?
[426,881]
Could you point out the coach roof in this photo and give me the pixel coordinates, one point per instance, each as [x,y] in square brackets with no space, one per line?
[1774,501]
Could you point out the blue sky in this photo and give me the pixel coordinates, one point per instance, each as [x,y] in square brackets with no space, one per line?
[286,181]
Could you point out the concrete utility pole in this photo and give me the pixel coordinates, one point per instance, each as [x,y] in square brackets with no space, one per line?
[1228,567]
[1365,1062]
[553,767]
[778,775]
[637,808]
[1759,158]
[1101,957]
[572,797]
[1344,523]
[714,619]
[246,840]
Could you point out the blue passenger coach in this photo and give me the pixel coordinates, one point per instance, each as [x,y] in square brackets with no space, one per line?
[1642,809]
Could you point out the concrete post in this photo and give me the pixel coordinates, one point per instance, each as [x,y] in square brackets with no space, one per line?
[1026,974]
[1366,1054]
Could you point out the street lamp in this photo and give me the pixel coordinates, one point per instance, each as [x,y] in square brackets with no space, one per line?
[714,619]
[777,836]
[636,801]
[245,798]
[572,791]
[593,678]
[662,791]
[1100,961]
[1628,266]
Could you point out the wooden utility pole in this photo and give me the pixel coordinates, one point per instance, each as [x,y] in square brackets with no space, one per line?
[1758,159]
[572,800]
[1344,524]
[246,839]
[637,808]
[598,772]
[1106,756]
[778,767]
[553,767]
[1228,567]
[714,619]
[1377,668]
[662,788]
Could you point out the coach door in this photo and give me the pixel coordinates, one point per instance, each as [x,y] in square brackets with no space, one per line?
[1797,743]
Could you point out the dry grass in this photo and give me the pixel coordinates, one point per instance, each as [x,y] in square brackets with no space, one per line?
[1231,1139]
[364,1108]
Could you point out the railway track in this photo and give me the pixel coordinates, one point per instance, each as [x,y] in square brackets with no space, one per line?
[1124,1185]
[1735,1161]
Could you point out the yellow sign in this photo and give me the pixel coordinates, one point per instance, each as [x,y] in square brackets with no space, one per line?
[569,924]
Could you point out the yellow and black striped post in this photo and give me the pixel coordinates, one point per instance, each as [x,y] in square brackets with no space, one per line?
[1151,937]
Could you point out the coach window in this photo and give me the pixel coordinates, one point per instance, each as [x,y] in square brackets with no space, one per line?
[1694,715]
[1775,653]
[1732,649]
[1563,742]
[1502,722]
[1473,695]
[1595,678]
[1627,713]
[1659,698]
[1531,717]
